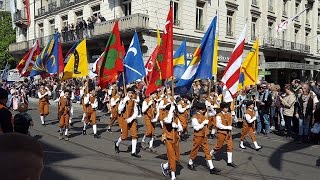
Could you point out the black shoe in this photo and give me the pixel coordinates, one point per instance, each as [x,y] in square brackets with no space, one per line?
[96,136]
[257,149]
[135,155]
[109,130]
[191,167]
[212,136]
[84,132]
[231,165]
[165,171]
[116,148]
[43,124]
[215,171]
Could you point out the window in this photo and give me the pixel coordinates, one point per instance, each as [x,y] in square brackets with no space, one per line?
[79,15]
[283,38]
[254,28]
[285,8]
[307,16]
[255,2]
[176,18]
[230,15]
[318,19]
[126,8]
[270,5]
[199,15]
[52,27]
[270,30]
[318,44]
[296,31]
[306,40]
[65,20]
[296,8]
[95,10]
[41,32]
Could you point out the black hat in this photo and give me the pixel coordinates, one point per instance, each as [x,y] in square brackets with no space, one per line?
[185,96]
[224,105]
[249,103]
[131,89]
[201,106]
[3,93]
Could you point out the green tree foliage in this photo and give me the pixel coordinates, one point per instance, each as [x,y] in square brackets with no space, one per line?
[7,36]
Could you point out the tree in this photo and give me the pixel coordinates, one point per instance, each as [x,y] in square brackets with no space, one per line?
[8,36]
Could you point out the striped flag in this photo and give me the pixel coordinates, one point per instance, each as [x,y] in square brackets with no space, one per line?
[283,25]
[231,74]
[25,65]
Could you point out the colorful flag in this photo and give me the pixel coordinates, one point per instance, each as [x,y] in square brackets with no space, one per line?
[201,65]
[133,62]
[179,60]
[77,65]
[158,36]
[283,25]
[48,59]
[231,73]
[165,55]
[155,81]
[249,68]
[215,57]
[61,60]
[27,7]
[111,64]
[150,63]
[25,65]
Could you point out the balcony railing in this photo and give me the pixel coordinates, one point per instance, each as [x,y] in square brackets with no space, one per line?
[284,13]
[229,33]
[255,2]
[41,11]
[20,18]
[52,6]
[128,23]
[270,8]
[200,27]
[285,45]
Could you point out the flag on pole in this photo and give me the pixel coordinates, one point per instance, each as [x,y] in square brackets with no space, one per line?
[77,65]
[133,62]
[111,64]
[284,25]
[179,60]
[165,55]
[215,57]
[48,59]
[201,65]
[150,63]
[27,7]
[231,73]
[249,68]
[25,65]
[158,36]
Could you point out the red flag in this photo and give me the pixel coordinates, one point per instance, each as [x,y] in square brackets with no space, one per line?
[165,56]
[61,60]
[27,7]
[155,81]
[150,63]
[111,64]
[25,65]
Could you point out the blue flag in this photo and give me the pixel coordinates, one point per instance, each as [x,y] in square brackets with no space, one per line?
[179,60]
[201,65]
[133,62]
[48,59]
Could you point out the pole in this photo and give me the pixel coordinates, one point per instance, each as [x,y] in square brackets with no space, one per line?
[114,9]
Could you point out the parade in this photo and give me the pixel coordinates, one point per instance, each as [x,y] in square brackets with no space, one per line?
[182,109]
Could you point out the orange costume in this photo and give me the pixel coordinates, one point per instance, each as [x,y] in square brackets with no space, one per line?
[150,119]
[183,114]
[91,103]
[64,112]
[114,103]
[43,104]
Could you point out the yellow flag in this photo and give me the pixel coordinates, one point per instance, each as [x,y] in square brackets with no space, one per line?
[215,57]
[158,36]
[77,65]
[249,68]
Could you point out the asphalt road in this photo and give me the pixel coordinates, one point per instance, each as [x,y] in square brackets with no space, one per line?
[84,157]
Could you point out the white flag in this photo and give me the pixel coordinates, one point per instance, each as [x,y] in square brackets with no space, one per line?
[283,26]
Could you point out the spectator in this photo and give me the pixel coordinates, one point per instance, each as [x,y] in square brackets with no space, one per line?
[90,26]
[22,120]
[6,125]
[102,19]
[288,102]
[85,29]
[264,103]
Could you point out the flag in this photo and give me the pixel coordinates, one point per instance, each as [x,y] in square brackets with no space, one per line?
[165,55]
[61,60]
[77,65]
[5,71]
[111,64]
[215,57]
[201,65]
[133,62]
[48,59]
[231,73]
[27,7]
[283,25]
[150,63]
[25,65]
[179,60]
[249,68]
[158,36]
[96,65]
[155,81]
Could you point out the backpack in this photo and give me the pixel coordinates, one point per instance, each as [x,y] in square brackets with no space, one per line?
[21,123]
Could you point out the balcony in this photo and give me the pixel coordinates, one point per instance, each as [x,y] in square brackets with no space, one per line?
[128,24]
[255,3]
[132,22]
[200,27]
[52,7]
[20,19]
[66,3]
[41,11]
[270,9]
[284,13]
[273,43]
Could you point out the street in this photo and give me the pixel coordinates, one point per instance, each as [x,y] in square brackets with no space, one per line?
[84,157]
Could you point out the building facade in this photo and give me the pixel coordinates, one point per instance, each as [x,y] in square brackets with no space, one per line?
[294,53]
[4,5]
